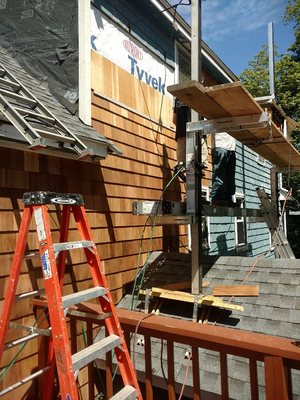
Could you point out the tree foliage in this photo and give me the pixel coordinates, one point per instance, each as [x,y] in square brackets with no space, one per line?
[292,14]
[287,81]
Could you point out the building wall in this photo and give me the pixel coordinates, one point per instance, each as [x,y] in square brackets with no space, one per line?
[138,119]
[249,175]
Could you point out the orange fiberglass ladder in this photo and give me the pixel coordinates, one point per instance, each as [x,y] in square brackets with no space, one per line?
[53,260]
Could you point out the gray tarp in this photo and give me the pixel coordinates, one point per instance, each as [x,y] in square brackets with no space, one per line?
[43,36]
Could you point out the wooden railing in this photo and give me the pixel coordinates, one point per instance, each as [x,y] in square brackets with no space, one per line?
[278,356]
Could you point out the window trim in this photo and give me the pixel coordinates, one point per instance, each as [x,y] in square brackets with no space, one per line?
[240,246]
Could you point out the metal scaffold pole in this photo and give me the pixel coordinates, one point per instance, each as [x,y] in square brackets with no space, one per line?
[193,163]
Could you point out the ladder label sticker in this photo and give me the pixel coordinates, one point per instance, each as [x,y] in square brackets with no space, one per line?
[63,200]
[40,224]
[46,265]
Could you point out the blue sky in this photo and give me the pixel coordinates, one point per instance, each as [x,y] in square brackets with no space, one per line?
[236,29]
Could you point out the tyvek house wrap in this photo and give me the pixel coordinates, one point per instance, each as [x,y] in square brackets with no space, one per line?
[43,36]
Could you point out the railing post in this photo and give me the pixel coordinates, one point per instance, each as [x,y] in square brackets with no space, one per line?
[253,379]
[224,376]
[196,371]
[171,377]
[148,368]
[275,381]
[91,383]
[108,373]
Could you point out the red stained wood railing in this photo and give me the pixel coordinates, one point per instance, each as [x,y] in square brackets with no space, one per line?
[278,355]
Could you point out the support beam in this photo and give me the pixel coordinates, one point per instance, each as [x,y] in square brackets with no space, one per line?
[196,231]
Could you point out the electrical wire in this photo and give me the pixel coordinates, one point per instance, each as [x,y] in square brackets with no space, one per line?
[134,337]
[143,269]
[185,376]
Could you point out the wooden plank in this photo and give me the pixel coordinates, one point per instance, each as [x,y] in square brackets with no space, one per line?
[190,298]
[193,94]
[181,285]
[236,290]
[233,99]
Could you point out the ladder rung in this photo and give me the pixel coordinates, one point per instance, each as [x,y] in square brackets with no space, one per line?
[54,136]
[127,393]
[76,298]
[20,98]
[44,332]
[22,340]
[28,295]
[96,350]
[23,381]
[57,247]
[11,84]
[28,113]
[30,256]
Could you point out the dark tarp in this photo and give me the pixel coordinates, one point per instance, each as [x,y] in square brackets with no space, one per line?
[43,36]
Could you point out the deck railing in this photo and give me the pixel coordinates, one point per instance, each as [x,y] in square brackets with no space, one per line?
[278,356]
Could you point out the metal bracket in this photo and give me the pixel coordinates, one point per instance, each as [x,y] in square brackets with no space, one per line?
[195,308]
[230,124]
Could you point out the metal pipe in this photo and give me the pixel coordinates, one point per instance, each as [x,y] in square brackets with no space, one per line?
[271,59]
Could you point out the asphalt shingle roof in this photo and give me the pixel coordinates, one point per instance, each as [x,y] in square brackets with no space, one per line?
[276,311]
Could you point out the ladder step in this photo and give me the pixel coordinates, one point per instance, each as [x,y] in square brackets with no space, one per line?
[22,340]
[10,84]
[76,298]
[81,244]
[18,97]
[41,117]
[23,381]
[96,350]
[127,393]
[47,133]
[32,329]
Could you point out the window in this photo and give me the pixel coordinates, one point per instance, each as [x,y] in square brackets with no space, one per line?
[260,160]
[183,63]
[240,226]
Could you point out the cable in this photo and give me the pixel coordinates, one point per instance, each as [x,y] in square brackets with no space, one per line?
[143,269]
[161,361]
[134,337]
[185,376]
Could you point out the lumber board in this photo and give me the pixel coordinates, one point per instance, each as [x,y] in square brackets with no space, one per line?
[236,290]
[233,99]
[180,285]
[206,300]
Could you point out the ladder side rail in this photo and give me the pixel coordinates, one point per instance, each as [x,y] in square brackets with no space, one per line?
[56,312]
[112,323]
[14,275]
[279,240]
[47,389]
